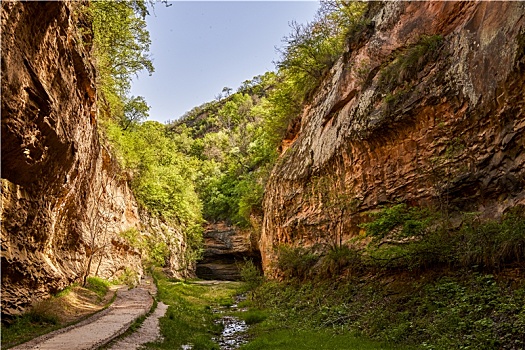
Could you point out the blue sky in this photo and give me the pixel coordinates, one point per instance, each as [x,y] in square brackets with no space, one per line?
[199,47]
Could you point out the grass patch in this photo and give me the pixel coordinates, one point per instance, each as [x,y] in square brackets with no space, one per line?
[98,285]
[28,326]
[288,339]
[190,317]
[464,309]
[253,316]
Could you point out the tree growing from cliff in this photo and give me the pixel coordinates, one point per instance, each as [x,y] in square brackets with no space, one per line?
[121,47]
[312,48]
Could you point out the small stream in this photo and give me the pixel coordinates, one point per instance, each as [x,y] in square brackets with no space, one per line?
[234,333]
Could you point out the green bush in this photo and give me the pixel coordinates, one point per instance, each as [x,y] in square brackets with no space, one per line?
[409,62]
[338,259]
[493,244]
[296,262]
[251,275]
[129,277]
[133,237]
[414,238]
[398,222]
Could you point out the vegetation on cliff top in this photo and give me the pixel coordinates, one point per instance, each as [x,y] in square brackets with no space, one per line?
[238,136]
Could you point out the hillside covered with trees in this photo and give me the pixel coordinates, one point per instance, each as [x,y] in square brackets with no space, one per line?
[378,170]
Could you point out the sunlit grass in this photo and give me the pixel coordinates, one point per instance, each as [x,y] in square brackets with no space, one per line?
[190,317]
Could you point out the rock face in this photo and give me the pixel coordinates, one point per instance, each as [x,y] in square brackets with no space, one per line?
[62,197]
[427,106]
[225,248]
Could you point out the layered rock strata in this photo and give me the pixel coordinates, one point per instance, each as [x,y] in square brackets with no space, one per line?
[225,250]
[427,106]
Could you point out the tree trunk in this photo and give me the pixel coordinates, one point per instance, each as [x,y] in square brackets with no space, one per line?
[86,274]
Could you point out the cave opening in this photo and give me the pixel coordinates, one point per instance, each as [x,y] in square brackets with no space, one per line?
[226,267]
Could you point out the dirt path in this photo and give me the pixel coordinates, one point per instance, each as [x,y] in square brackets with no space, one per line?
[149,331]
[101,327]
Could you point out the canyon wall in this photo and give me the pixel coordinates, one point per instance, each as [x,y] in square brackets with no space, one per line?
[426,107]
[63,197]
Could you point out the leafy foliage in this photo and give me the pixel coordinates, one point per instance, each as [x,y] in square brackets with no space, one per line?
[311,49]
[251,275]
[121,44]
[296,262]
[415,238]
[227,138]
[493,244]
[163,180]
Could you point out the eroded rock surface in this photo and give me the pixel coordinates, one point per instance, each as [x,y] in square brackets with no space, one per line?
[56,174]
[447,130]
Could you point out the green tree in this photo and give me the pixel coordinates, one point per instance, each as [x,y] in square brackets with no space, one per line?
[135,110]
[121,46]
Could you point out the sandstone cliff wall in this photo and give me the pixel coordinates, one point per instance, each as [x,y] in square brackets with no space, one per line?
[62,195]
[426,107]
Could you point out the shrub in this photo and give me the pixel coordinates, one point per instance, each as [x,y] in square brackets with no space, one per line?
[338,259]
[414,238]
[296,262]
[251,275]
[398,222]
[133,237]
[409,62]
[128,277]
[493,244]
